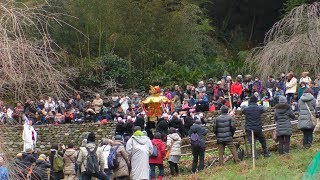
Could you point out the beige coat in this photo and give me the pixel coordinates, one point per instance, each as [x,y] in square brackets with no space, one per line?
[82,158]
[69,158]
[292,86]
[174,141]
[123,160]
[97,104]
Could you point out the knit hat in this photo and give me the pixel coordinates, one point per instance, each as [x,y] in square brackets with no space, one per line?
[42,156]
[224,109]
[253,99]
[91,137]
[118,138]
[282,100]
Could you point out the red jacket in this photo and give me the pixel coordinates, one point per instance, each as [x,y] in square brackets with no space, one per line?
[161,152]
[236,88]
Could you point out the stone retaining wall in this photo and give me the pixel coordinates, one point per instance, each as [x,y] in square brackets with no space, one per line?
[66,133]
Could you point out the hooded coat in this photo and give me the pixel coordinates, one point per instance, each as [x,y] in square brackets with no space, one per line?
[283,115]
[304,120]
[122,157]
[139,148]
[105,151]
[29,137]
[201,131]
[196,128]
[161,152]
[69,158]
[174,141]
[83,154]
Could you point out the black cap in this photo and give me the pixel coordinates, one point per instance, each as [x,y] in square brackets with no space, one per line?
[253,99]
[91,137]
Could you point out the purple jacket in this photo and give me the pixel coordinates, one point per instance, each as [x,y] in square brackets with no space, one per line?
[258,84]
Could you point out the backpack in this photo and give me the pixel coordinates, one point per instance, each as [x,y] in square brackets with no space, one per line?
[113,162]
[195,140]
[92,166]
[58,162]
[155,151]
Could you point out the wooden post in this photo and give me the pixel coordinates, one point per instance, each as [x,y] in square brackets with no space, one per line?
[252,148]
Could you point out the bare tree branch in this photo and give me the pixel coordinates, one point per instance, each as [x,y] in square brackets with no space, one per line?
[291,42]
[28,64]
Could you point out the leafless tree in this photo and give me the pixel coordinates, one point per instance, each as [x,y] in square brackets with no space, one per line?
[291,44]
[29,66]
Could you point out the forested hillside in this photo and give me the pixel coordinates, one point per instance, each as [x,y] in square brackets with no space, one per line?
[134,43]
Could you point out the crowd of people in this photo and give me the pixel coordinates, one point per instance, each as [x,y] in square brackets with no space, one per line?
[206,96]
[136,149]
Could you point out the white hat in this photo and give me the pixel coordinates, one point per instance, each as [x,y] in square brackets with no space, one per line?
[43,156]
[219,82]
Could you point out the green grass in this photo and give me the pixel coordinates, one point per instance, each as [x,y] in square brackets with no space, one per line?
[277,167]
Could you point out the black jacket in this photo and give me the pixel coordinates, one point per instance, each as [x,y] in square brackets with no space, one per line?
[253,117]
[40,170]
[28,160]
[177,124]
[128,128]
[196,128]
[120,129]
[283,115]
[224,128]
[139,122]
[162,126]
[188,122]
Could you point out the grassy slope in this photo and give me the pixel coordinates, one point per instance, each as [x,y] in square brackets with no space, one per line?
[291,166]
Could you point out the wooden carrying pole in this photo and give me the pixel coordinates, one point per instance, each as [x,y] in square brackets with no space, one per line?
[253,150]
[229,94]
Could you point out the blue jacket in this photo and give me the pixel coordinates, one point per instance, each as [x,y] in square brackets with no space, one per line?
[204,100]
[4,173]
[253,117]
[282,85]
